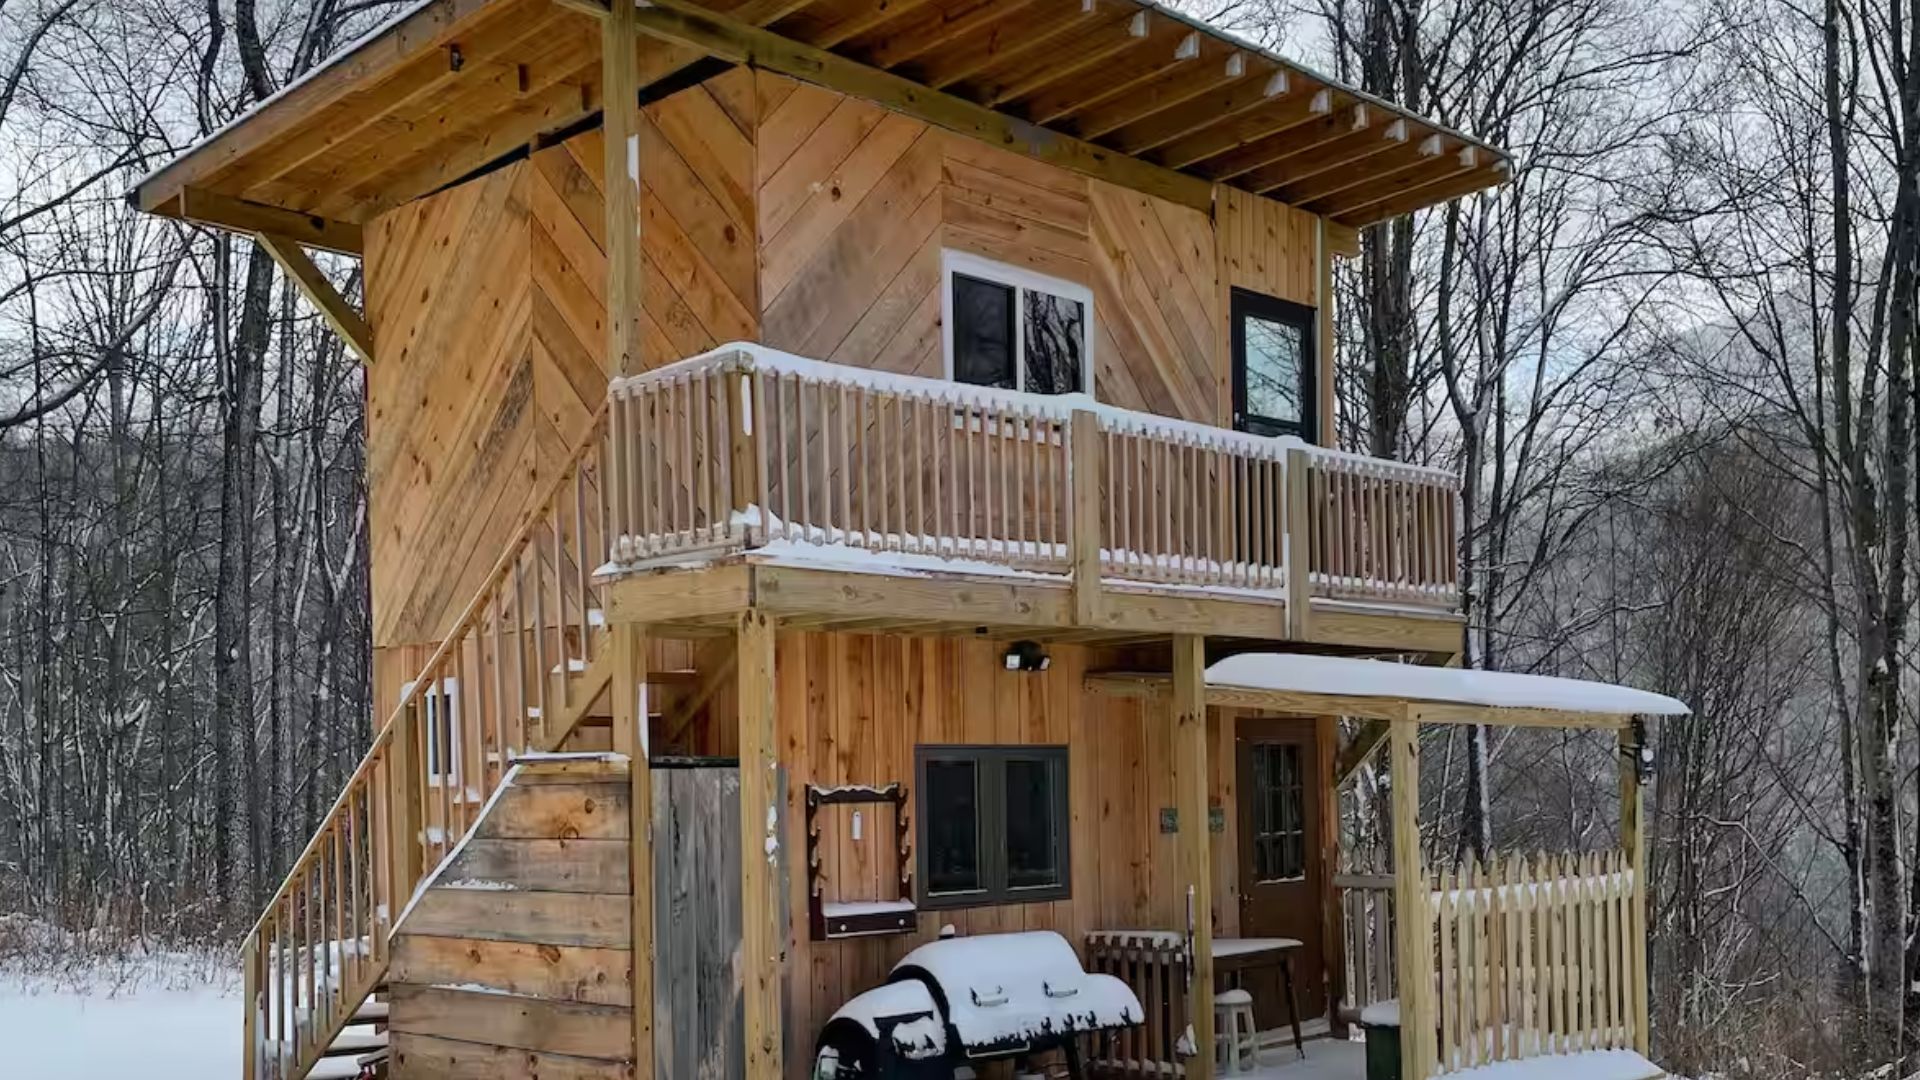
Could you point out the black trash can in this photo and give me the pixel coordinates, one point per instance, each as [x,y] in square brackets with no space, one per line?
[1380,1023]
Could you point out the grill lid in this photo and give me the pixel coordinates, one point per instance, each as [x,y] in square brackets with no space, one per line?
[1006,990]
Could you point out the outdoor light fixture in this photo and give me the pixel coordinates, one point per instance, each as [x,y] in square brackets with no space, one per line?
[1641,749]
[1027,656]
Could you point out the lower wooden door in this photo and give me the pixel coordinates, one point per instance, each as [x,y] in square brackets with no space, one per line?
[1281,795]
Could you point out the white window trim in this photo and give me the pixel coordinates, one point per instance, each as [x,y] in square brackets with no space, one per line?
[1020,277]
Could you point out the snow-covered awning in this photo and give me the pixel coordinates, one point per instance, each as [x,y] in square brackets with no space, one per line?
[1343,677]
[1385,690]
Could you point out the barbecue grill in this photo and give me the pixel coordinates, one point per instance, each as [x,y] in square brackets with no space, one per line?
[970,999]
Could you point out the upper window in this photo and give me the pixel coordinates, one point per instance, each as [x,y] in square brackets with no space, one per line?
[993,824]
[1273,366]
[1017,330]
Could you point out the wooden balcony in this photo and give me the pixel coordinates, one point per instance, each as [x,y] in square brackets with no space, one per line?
[792,462]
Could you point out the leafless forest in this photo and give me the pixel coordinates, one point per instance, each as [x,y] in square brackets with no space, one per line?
[1674,360]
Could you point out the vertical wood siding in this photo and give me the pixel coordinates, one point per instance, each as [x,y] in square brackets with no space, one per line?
[852,708]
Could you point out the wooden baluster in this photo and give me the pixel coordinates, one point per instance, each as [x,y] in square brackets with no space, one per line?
[1449,1008]
[580,567]
[542,679]
[523,740]
[496,606]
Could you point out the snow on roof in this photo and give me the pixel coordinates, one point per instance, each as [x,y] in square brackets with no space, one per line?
[1346,677]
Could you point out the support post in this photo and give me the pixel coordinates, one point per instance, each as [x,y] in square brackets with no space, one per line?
[250,994]
[404,779]
[620,94]
[1084,474]
[1633,841]
[1188,715]
[762,933]
[1413,944]
[631,737]
[1299,522]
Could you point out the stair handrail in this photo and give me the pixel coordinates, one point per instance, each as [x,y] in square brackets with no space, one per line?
[522,536]
[360,785]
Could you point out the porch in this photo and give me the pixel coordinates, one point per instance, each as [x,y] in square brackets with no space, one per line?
[1524,966]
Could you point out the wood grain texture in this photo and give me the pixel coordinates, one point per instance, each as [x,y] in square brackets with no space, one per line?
[850,708]
[523,940]
[429,1057]
[490,303]
[697,1027]
[526,1023]
[555,972]
[856,204]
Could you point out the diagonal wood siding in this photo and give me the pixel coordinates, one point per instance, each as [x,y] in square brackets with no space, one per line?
[856,204]
[490,303]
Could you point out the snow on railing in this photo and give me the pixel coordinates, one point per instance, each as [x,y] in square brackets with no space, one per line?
[746,447]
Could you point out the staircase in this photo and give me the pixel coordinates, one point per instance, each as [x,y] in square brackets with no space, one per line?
[521,670]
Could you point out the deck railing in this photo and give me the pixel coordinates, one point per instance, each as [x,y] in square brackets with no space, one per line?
[1532,957]
[747,448]
[486,695]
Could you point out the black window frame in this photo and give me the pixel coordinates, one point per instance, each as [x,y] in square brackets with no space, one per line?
[989,762]
[1246,303]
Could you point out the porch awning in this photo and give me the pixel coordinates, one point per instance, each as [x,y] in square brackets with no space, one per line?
[1310,685]
[1346,678]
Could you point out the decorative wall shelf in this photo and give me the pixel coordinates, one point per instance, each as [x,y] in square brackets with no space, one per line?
[834,919]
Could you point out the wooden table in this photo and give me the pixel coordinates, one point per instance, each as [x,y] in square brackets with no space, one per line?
[1231,956]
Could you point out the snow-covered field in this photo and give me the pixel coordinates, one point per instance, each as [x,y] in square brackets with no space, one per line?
[157,1016]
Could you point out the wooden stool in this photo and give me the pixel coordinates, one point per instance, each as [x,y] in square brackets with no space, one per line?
[1233,1021]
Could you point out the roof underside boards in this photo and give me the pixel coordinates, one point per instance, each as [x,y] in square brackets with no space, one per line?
[452,86]
[1297,673]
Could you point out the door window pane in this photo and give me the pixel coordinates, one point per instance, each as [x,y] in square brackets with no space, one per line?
[1056,335]
[1275,359]
[1279,814]
[1033,847]
[983,336]
[951,825]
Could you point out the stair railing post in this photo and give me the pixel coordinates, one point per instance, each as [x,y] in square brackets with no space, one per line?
[407,840]
[250,978]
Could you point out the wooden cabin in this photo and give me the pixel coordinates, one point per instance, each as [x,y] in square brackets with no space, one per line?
[821,453]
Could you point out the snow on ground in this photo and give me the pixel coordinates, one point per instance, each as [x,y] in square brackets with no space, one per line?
[1327,1059]
[158,1016]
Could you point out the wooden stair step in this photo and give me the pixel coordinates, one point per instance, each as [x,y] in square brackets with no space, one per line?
[370,1011]
[355,1043]
[335,1068]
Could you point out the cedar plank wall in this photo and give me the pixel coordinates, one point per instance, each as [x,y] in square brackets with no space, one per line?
[852,707]
[531,975]
[489,303]
[856,203]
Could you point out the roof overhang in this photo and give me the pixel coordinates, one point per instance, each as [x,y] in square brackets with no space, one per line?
[1114,87]
[1314,685]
